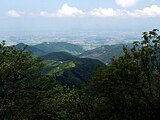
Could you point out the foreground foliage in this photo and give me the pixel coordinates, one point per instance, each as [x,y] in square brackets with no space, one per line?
[131,84]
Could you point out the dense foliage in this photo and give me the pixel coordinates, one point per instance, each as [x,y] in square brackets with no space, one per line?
[129,89]
[131,84]
[18,74]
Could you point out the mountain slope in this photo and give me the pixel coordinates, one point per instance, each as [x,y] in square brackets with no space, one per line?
[104,53]
[81,74]
[59,56]
[49,47]
[70,70]
[35,51]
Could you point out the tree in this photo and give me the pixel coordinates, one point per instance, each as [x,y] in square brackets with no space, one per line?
[129,88]
[19,89]
[25,93]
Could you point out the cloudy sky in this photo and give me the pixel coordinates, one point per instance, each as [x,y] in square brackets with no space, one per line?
[79,15]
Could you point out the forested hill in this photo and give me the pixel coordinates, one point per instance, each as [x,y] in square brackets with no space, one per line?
[59,56]
[105,52]
[49,47]
[70,70]
[35,51]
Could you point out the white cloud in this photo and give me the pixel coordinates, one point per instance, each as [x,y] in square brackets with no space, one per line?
[126,3]
[65,11]
[108,12]
[103,12]
[151,11]
[13,13]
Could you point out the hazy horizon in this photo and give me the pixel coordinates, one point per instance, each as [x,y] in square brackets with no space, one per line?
[73,15]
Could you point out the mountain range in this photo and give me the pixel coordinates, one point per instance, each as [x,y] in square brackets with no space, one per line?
[49,47]
[67,62]
[105,52]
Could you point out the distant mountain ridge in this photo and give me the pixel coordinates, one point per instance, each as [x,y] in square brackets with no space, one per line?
[49,47]
[35,51]
[105,52]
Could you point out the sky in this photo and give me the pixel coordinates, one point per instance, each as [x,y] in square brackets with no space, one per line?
[79,15]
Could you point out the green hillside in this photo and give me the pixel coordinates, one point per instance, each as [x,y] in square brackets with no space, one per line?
[105,53]
[81,74]
[59,56]
[35,51]
[49,47]
[69,69]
